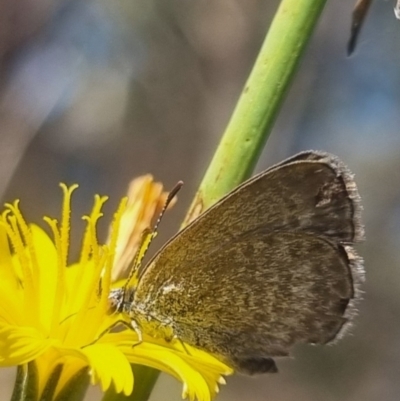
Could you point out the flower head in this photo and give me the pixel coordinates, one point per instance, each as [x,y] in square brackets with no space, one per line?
[55,313]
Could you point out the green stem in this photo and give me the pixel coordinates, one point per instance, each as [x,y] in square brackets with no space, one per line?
[260,101]
[26,383]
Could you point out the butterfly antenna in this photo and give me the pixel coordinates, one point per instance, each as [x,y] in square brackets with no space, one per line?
[148,236]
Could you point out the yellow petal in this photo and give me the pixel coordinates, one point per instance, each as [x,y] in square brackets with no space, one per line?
[11,312]
[57,314]
[199,371]
[46,256]
[109,365]
[20,345]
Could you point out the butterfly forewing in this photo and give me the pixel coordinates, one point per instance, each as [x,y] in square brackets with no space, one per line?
[268,266]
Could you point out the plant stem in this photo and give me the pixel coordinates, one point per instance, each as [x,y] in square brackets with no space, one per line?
[26,383]
[260,101]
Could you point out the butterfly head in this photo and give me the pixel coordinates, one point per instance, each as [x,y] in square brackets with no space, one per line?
[120,300]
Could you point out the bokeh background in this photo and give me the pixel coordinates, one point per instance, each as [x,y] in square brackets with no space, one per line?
[100,91]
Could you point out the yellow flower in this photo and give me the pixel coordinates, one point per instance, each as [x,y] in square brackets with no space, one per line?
[54,313]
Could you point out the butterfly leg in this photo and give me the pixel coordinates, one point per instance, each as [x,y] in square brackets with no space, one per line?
[183,345]
[107,330]
[133,325]
[169,338]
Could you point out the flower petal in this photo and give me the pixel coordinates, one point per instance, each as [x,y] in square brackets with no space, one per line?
[200,372]
[11,312]
[46,256]
[146,199]
[57,315]
[109,365]
[19,345]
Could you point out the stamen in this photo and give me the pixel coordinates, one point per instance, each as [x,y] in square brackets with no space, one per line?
[26,237]
[88,245]
[65,221]
[16,241]
[30,300]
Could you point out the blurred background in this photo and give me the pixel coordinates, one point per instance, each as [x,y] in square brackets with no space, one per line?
[99,91]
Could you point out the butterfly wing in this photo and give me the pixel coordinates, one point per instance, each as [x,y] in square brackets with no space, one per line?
[268,266]
[311,192]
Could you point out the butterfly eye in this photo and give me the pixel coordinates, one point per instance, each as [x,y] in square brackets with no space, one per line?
[116,300]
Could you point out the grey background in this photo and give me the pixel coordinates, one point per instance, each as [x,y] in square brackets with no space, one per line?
[100,91]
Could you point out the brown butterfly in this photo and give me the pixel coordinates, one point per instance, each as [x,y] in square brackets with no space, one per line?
[268,266]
